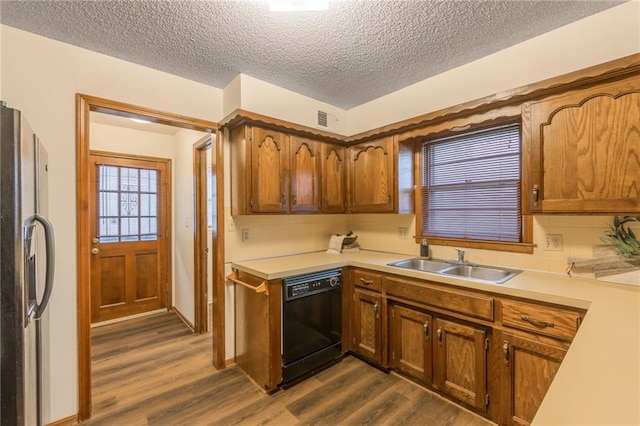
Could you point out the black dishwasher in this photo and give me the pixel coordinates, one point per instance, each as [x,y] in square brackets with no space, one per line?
[311,323]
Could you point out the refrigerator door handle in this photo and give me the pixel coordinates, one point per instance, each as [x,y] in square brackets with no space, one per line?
[50,263]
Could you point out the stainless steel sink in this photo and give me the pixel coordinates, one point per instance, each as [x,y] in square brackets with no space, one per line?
[419,264]
[477,272]
[496,275]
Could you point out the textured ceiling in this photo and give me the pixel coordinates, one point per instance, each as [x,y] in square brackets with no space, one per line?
[352,53]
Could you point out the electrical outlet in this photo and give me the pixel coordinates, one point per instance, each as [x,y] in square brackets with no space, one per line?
[245,234]
[403,232]
[553,242]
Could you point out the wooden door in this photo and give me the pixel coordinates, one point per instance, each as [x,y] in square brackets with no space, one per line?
[367,325]
[129,215]
[371,176]
[269,171]
[460,362]
[585,150]
[528,368]
[333,178]
[305,173]
[411,332]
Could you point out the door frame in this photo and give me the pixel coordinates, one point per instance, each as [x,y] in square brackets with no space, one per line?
[200,254]
[84,105]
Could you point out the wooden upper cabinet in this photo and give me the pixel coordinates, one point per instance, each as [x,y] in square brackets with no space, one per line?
[305,174]
[583,150]
[334,166]
[273,172]
[269,171]
[372,176]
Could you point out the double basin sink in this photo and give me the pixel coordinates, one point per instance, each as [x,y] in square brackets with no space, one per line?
[464,270]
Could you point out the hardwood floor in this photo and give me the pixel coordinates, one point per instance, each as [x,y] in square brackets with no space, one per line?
[154,371]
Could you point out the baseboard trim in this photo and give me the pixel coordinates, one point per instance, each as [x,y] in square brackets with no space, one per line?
[184,319]
[67,421]
[229,362]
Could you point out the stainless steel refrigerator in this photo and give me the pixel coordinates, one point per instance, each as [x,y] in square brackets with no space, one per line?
[26,273]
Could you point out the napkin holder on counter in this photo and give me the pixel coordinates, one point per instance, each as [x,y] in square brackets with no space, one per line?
[343,244]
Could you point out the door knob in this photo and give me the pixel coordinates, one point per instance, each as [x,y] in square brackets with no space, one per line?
[95,251]
[95,240]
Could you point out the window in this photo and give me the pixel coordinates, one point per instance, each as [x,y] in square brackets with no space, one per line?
[471,185]
[127,204]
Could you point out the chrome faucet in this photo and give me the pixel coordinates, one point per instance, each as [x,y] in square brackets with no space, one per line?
[460,260]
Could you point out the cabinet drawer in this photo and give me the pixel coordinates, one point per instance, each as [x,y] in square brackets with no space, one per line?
[556,322]
[369,280]
[471,304]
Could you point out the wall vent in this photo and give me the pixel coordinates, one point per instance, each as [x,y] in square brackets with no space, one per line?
[322,118]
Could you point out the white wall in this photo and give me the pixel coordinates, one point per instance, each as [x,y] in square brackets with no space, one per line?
[602,37]
[274,101]
[41,77]
[184,220]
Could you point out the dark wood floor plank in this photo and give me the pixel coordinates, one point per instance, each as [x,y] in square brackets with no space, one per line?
[153,371]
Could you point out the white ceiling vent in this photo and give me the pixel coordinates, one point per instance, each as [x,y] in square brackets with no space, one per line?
[322,118]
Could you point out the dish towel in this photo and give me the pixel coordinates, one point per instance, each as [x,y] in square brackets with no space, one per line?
[335,244]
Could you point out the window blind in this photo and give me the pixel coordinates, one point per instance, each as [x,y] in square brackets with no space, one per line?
[471,185]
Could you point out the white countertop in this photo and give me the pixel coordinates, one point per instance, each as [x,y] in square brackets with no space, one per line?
[598,382]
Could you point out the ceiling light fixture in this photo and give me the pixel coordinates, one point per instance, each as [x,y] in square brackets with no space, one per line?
[297,5]
[139,120]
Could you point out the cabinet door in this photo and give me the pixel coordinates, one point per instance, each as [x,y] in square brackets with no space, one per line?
[585,150]
[333,178]
[305,168]
[460,362]
[371,176]
[367,325]
[411,342]
[528,368]
[269,171]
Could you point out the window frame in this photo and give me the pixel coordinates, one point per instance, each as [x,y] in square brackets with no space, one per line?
[452,128]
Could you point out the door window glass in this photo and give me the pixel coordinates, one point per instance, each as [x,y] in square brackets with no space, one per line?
[127,204]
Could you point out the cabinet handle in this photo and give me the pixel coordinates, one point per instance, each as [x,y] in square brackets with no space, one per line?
[505,352]
[375,310]
[366,282]
[536,195]
[426,330]
[537,322]
[325,202]
[284,200]
[439,333]
[294,199]
[388,198]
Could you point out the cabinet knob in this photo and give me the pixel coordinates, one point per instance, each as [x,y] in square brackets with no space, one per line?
[505,352]
[284,200]
[439,333]
[426,330]
[375,311]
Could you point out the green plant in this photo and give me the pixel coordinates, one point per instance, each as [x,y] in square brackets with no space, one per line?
[624,239]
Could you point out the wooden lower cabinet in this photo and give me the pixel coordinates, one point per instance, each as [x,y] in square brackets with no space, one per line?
[528,368]
[367,325]
[460,362]
[410,342]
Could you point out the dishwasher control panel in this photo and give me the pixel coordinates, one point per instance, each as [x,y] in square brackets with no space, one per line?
[305,285]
